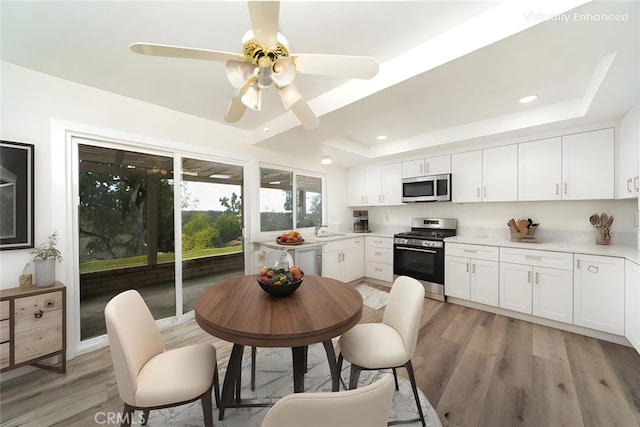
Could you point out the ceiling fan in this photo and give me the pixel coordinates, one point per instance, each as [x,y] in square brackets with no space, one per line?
[265,61]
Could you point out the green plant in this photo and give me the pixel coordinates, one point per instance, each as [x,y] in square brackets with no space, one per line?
[47,250]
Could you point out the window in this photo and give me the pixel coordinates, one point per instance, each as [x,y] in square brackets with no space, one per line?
[279,210]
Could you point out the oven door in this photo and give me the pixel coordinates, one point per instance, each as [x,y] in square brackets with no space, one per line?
[426,264]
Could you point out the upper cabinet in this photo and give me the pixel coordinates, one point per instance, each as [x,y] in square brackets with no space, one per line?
[572,167]
[375,185]
[489,175]
[627,180]
[430,166]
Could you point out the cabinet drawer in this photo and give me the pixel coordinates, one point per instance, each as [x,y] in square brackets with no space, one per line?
[489,253]
[560,260]
[340,245]
[29,306]
[4,310]
[379,271]
[380,255]
[4,330]
[5,351]
[38,336]
[379,242]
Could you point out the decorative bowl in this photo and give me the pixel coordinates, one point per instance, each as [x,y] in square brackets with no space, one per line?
[280,290]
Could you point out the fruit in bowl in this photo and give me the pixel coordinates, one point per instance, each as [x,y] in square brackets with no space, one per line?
[290,238]
[280,282]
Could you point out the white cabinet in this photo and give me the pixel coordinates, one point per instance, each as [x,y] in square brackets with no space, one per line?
[572,167]
[379,258]
[537,282]
[540,169]
[430,166]
[588,165]
[344,259]
[627,180]
[500,174]
[598,293]
[471,273]
[632,303]
[374,185]
[466,177]
[489,175]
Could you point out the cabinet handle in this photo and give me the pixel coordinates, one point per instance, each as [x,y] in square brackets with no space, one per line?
[485,191]
[557,189]
[578,264]
[473,268]
[472,251]
[566,188]
[38,314]
[528,276]
[629,189]
[377,253]
[536,257]
[421,169]
[636,183]
[478,192]
[537,278]
[467,267]
[378,269]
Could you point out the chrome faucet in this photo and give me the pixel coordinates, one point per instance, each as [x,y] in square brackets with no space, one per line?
[318,227]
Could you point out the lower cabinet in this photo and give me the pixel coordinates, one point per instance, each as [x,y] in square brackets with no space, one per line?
[632,303]
[528,285]
[471,273]
[379,258]
[598,294]
[344,259]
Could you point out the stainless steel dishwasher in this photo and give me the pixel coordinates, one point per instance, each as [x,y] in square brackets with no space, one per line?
[309,258]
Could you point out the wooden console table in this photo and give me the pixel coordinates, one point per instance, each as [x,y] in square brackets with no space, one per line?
[33,327]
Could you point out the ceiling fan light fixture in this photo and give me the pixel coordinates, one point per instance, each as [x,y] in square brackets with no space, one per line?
[251,94]
[289,95]
[326,160]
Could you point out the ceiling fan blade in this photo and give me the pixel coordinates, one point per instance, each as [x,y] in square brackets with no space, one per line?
[289,95]
[238,72]
[235,110]
[284,71]
[355,67]
[264,21]
[304,113]
[183,52]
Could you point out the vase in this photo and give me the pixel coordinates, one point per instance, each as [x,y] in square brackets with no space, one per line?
[44,273]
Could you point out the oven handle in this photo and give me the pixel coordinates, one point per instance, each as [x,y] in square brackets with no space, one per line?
[404,248]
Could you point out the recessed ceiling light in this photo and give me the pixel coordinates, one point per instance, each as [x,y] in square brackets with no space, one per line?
[326,160]
[381,137]
[266,129]
[527,99]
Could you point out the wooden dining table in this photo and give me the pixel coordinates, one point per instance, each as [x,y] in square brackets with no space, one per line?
[239,311]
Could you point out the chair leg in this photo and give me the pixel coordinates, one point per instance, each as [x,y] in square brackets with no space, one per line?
[355,375]
[253,368]
[207,408]
[127,415]
[146,416]
[412,378]
[216,386]
[395,377]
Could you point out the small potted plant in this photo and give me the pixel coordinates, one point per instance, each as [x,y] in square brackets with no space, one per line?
[45,256]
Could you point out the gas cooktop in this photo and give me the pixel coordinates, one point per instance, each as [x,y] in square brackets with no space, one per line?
[430,229]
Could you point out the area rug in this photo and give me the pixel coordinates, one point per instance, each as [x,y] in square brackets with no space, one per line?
[274,380]
[372,297]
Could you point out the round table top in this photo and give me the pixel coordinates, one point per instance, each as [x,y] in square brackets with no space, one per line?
[239,311]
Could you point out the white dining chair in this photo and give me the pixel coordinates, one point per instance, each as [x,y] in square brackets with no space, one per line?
[391,343]
[364,407]
[149,376]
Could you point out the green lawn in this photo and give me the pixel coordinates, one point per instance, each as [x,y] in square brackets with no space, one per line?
[112,264]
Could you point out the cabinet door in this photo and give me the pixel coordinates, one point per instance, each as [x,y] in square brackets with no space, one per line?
[466,170]
[588,165]
[355,187]
[515,287]
[437,165]
[627,181]
[500,174]
[598,292]
[457,273]
[373,185]
[553,294]
[331,264]
[413,168]
[540,169]
[353,263]
[38,326]
[632,304]
[391,184]
[484,282]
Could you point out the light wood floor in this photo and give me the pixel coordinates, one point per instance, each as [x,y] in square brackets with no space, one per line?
[476,368]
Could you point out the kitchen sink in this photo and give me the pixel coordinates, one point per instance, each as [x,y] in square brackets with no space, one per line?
[326,235]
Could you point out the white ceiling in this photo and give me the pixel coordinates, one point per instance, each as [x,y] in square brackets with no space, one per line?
[450,71]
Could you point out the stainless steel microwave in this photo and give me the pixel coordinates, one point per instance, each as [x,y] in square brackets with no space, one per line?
[430,188]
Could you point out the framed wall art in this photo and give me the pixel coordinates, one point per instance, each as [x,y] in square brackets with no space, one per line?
[16,195]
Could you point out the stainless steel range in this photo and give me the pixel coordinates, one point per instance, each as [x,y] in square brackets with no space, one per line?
[419,253]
